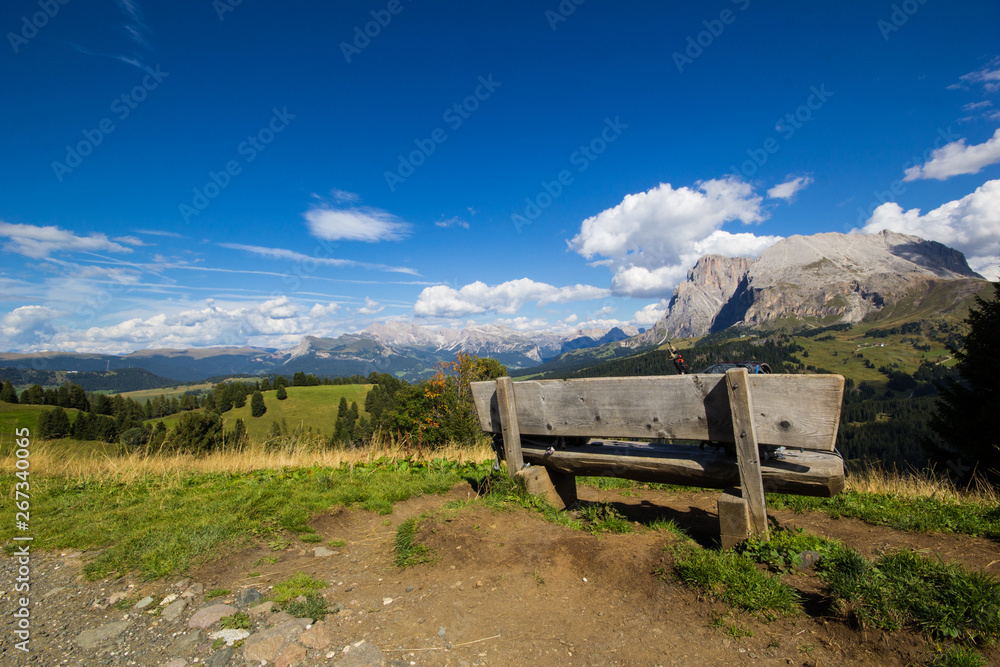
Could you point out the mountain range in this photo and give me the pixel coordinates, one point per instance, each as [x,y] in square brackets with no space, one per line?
[800,282]
[400,348]
[818,280]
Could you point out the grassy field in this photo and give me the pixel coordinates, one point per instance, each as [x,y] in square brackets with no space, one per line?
[13,416]
[305,408]
[169,392]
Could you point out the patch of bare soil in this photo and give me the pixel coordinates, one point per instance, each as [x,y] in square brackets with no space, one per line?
[505,588]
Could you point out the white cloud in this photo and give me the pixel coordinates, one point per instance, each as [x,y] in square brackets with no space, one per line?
[452,222]
[651,314]
[788,189]
[28,325]
[276,322]
[38,242]
[343,196]
[506,298]
[957,158]
[970,224]
[371,307]
[306,260]
[988,76]
[355,224]
[653,237]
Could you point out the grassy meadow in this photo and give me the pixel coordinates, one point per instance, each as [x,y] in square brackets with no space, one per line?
[305,408]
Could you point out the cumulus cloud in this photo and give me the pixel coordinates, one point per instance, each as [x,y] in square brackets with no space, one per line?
[307,260]
[274,323]
[38,242]
[651,314]
[371,307]
[651,238]
[957,158]
[788,189]
[355,224]
[28,325]
[506,298]
[970,224]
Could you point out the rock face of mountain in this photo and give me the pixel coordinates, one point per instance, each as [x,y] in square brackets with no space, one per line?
[823,278]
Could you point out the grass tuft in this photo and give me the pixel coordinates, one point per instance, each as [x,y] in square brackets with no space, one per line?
[735,579]
[408,551]
[296,585]
[959,656]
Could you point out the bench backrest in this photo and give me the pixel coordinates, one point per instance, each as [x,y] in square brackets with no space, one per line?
[800,411]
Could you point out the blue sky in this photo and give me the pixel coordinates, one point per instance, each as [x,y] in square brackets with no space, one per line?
[209,173]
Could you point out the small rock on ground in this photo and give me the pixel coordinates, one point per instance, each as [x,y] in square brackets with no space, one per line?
[208,616]
[94,636]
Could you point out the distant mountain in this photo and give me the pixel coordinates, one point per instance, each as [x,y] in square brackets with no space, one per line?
[818,280]
[124,379]
[399,348]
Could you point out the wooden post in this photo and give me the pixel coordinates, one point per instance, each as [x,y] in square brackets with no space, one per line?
[508,422]
[558,488]
[734,519]
[747,453]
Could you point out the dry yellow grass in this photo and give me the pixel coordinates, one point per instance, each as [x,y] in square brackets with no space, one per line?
[48,459]
[891,482]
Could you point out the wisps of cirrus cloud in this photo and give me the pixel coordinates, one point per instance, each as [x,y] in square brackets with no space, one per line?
[40,242]
[302,258]
[652,238]
[957,158]
[988,76]
[505,298]
[970,224]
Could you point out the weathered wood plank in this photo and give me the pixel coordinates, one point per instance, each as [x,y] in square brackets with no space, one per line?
[734,519]
[805,473]
[800,411]
[507,410]
[741,407]
[557,487]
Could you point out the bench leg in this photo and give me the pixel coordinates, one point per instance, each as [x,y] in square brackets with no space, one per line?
[734,518]
[559,488]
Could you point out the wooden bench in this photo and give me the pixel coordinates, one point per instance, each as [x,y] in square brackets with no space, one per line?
[747,418]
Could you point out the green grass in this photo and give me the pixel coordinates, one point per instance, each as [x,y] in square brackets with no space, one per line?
[408,551]
[959,656]
[305,407]
[217,593]
[141,395]
[905,589]
[911,514]
[238,621]
[296,585]
[159,526]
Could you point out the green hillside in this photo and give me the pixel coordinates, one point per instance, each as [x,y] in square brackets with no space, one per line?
[305,407]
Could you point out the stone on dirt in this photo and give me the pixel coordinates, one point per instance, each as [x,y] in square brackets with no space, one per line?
[248,597]
[211,615]
[173,610]
[361,654]
[94,636]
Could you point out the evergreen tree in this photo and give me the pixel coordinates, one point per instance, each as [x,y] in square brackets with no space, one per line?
[196,432]
[967,438]
[281,394]
[265,385]
[8,394]
[257,407]
[299,379]
[53,424]
[237,438]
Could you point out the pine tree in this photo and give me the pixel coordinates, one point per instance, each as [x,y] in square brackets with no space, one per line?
[281,394]
[8,394]
[966,411]
[53,424]
[257,407]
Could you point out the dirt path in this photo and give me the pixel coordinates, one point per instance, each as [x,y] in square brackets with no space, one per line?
[507,588]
